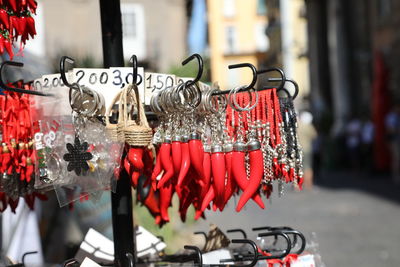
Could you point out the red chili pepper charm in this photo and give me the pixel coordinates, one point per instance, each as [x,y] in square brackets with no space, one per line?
[176,154]
[239,171]
[185,164]
[8,47]
[156,171]
[231,185]
[196,153]
[4,18]
[166,163]
[219,173]
[256,173]
[206,201]
[165,199]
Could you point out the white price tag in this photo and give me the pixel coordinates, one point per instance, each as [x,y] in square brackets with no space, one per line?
[155,82]
[304,261]
[203,86]
[99,80]
[48,82]
[89,263]
[120,77]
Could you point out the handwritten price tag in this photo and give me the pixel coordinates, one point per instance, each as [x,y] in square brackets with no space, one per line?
[155,82]
[123,76]
[48,82]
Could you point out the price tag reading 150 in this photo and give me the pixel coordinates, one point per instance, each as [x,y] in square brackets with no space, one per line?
[155,82]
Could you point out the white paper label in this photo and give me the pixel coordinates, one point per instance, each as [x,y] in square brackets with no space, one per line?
[89,263]
[155,82]
[304,261]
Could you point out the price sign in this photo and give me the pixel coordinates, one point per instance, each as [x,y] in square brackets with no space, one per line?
[48,82]
[155,82]
[120,77]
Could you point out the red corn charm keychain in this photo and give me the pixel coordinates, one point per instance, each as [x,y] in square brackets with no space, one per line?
[185,163]
[239,171]
[166,162]
[256,173]
[196,153]
[176,154]
[219,173]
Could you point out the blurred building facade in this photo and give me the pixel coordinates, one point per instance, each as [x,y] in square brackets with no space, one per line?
[153,30]
[236,35]
[294,45]
[354,47]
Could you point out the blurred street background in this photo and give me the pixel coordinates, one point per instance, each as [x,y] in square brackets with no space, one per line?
[345,57]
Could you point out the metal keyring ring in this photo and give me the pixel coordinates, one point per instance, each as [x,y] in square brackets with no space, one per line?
[198,94]
[247,108]
[231,95]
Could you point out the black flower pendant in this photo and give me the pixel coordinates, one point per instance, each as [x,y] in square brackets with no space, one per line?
[77,157]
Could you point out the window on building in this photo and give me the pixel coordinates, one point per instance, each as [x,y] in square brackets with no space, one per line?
[129,23]
[262,40]
[261,7]
[229,8]
[134,30]
[230,39]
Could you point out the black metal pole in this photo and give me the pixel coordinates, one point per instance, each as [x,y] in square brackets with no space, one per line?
[121,201]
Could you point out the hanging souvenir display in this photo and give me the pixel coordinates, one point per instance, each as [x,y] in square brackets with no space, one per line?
[16,24]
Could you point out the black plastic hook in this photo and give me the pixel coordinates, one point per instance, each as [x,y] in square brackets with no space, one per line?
[254,259]
[130,258]
[12,89]
[134,62]
[253,81]
[296,86]
[238,230]
[200,64]
[282,78]
[204,235]
[198,252]
[62,70]
[70,262]
[285,252]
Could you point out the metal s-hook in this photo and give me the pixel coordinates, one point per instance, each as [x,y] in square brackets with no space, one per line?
[296,86]
[62,70]
[238,230]
[198,253]
[285,252]
[254,257]
[282,78]
[244,88]
[4,86]
[200,64]
[134,62]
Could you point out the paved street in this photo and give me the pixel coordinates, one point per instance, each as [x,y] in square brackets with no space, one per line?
[357,220]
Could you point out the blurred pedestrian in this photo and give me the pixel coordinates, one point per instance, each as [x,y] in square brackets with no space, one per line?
[307,135]
[392,123]
[367,139]
[353,140]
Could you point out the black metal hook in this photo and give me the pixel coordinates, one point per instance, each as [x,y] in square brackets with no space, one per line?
[204,235]
[198,252]
[295,84]
[285,252]
[238,230]
[70,262]
[254,258]
[200,64]
[253,81]
[26,254]
[134,62]
[62,70]
[130,258]
[4,86]
[299,234]
[282,78]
